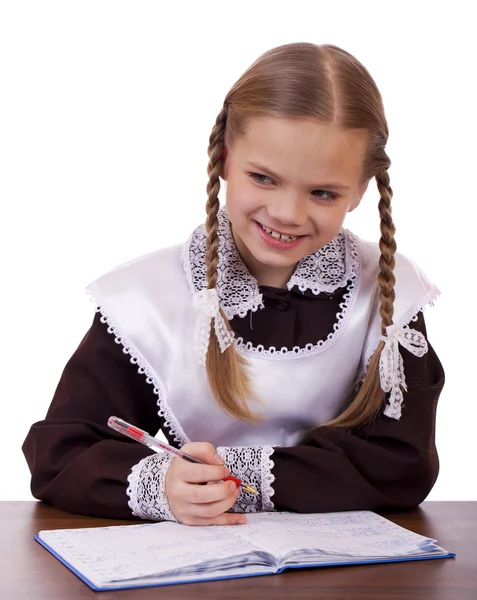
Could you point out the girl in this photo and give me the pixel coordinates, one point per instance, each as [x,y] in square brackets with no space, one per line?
[273,341]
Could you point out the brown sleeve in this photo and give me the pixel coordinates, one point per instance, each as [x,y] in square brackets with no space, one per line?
[76,461]
[385,464]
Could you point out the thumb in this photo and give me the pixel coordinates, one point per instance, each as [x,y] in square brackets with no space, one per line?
[203,451]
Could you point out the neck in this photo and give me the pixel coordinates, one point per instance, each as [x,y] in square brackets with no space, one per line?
[277,278]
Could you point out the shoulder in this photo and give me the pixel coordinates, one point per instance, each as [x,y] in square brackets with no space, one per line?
[369,253]
[161,269]
[414,290]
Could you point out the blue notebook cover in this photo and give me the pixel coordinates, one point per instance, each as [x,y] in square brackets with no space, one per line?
[236,574]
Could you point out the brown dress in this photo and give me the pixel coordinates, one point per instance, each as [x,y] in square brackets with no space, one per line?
[79,464]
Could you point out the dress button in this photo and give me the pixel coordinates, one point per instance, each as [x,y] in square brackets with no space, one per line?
[281,305]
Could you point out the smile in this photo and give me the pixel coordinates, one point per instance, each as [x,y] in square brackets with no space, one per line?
[279,236]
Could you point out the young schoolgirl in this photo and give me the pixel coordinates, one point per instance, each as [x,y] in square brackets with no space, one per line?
[273,340]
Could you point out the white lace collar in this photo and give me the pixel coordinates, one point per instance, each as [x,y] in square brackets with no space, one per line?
[328,269]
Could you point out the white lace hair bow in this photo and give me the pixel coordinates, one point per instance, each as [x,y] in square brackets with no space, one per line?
[207,303]
[391,369]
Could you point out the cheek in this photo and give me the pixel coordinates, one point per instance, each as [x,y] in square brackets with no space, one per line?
[329,218]
[243,197]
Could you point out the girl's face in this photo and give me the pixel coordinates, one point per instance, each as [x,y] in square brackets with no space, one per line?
[290,183]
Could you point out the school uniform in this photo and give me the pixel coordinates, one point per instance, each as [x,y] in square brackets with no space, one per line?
[307,347]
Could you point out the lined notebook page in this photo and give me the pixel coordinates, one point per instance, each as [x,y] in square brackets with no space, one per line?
[119,553]
[354,533]
[129,551]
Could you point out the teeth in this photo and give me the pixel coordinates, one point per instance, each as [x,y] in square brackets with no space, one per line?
[278,236]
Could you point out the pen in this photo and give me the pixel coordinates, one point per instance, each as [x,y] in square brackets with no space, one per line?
[148,440]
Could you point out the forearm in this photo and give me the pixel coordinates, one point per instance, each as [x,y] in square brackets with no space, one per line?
[81,472]
[76,461]
[338,471]
[352,474]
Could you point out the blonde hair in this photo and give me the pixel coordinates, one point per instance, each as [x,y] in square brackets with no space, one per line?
[328,84]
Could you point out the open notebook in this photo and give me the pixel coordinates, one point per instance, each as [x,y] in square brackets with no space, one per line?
[150,554]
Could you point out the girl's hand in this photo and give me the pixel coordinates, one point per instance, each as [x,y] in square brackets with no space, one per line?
[194,504]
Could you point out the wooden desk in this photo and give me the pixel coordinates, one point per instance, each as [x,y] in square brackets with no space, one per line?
[29,572]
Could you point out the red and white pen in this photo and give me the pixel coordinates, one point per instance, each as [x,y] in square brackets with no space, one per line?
[148,440]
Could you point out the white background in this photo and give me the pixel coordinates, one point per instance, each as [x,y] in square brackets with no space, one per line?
[105,112]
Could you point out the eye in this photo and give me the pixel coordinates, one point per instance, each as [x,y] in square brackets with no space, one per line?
[260,178]
[331,197]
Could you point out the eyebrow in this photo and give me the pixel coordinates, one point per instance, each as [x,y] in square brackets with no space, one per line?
[336,186]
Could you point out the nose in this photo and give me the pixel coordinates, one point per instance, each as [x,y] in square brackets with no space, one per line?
[289,210]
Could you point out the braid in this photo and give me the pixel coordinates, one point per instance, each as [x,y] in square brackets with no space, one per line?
[214,169]
[387,245]
[370,397]
[226,371]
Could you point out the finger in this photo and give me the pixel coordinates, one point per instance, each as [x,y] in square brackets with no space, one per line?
[181,494]
[194,473]
[203,451]
[213,509]
[223,519]
[205,494]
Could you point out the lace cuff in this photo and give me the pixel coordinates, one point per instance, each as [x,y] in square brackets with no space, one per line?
[251,464]
[147,498]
